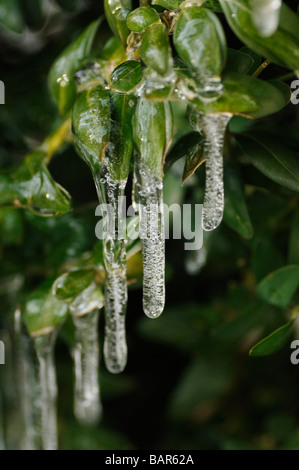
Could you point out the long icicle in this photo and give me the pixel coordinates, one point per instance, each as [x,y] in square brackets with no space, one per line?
[47,389]
[111,193]
[25,387]
[87,405]
[265,15]
[149,190]
[214,127]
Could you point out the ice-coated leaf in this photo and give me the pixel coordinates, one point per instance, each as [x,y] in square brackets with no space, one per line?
[30,185]
[116,12]
[61,75]
[271,157]
[126,76]
[282,47]
[200,41]
[238,61]
[279,286]
[91,125]
[120,147]
[155,49]
[42,311]
[140,18]
[80,290]
[273,342]
[247,96]
[152,130]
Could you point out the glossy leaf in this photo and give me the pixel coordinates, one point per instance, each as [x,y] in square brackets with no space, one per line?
[120,147]
[126,76]
[238,61]
[79,289]
[42,311]
[282,47]
[188,144]
[152,131]
[61,76]
[155,49]
[116,12]
[91,125]
[200,41]
[31,186]
[195,157]
[235,208]
[113,49]
[279,286]
[140,18]
[271,157]
[274,342]
[245,95]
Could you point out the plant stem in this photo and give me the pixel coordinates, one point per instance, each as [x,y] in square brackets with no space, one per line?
[261,67]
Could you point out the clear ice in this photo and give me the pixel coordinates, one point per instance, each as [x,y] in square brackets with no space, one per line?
[265,15]
[111,192]
[149,189]
[47,390]
[87,402]
[213,127]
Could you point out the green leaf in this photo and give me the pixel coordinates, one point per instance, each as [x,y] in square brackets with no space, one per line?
[235,208]
[11,226]
[138,20]
[204,380]
[279,286]
[274,342]
[80,290]
[282,47]
[10,16]
[61,76]
[91,125]
[238,61]
[168,4]
[42,311]
[120,147]
[126,76]
[116,12]
[152,132]
[245,95]
[113,49]
[195,157]
[155,49]
[200,41]
[293,257]
[187,145]
[31,186]
[257,58]
[271,157]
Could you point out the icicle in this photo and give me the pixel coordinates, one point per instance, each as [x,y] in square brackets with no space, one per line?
[150,198]
[213,126]
[88,407]
[47,389]
[265,15]
[25,387]
[111,192]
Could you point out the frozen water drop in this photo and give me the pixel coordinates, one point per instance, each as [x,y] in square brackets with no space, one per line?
[265,15]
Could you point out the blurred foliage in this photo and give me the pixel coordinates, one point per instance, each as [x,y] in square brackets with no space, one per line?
[190,382]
